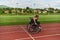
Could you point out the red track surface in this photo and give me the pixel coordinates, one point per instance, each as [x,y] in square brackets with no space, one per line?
[18,32]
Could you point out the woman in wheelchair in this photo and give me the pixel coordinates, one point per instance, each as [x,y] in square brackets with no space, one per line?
[34,25]
[34,22]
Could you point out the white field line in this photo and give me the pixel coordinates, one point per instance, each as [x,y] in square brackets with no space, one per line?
[28,33]
[39,36]
[50,28]
[23,31]
[10,32]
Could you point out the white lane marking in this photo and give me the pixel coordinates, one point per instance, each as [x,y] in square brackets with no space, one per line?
[10,32]
[23,31]
[28,34]
[50,28]
[48,35]
[39,36]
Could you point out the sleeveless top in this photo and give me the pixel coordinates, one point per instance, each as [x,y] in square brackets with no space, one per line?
[32,20]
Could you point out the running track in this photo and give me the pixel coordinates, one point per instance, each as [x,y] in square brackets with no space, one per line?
[49,31]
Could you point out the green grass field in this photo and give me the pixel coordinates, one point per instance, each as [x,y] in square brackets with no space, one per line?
[24,19]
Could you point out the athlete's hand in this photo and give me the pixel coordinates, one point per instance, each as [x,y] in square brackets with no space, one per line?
[35,23]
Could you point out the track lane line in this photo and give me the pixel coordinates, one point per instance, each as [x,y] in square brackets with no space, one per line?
[10,32]
[28,33]
[40,36]
[23,31]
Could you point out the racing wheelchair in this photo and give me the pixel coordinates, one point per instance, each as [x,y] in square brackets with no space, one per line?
[32,28]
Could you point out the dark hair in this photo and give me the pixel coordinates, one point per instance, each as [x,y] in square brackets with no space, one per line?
[36,16]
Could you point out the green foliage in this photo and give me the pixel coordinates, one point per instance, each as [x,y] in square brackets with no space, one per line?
[28,11]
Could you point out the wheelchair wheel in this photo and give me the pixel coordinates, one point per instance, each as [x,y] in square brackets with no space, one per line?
[29,28]
[33,30]
[38,29]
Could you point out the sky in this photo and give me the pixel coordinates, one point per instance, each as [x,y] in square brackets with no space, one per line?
[31,3]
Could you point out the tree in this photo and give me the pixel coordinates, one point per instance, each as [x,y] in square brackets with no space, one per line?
[27,8]
[51,9]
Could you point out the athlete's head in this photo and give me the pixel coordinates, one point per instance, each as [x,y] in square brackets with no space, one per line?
[36,16]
